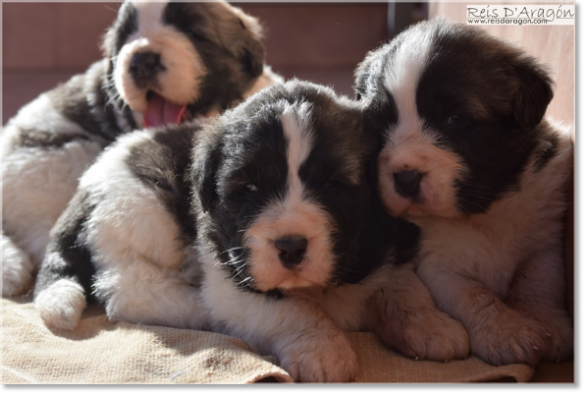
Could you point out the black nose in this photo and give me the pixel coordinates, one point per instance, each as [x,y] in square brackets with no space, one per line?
[407,183]
[144,66]
[292,250]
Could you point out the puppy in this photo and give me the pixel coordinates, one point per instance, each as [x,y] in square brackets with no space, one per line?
[271,230]
[470,158]
[163,63]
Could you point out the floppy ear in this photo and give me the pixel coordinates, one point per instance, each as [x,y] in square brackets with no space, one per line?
[364,74]
[533,94]
[380,112]
[207,158]
[242,36]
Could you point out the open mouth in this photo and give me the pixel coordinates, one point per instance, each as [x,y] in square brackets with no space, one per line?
[161,111]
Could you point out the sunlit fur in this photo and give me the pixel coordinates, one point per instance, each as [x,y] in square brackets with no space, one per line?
[178,226]
[466,110]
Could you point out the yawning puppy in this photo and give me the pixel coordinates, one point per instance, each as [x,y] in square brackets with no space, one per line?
[271,230]
[470,158]
[164,63]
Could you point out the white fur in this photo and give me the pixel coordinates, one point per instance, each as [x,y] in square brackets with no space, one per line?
[61,304]
[179,83]
[37,184]
[17,268]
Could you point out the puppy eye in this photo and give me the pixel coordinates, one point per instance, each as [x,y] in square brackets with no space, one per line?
[251,188]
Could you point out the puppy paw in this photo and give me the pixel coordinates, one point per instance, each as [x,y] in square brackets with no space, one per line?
[17,269]
[509,338]
[329,359]
[62,304]
[560,335]
[425,334]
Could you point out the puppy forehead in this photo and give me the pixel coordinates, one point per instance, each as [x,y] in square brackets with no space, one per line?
[295,135]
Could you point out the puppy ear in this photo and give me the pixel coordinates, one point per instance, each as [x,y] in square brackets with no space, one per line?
[363,76]
[108,43]
[533,94]
[242,36]
[207,157]
[380,112]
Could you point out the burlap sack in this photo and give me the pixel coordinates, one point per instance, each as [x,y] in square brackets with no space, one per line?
[99,351]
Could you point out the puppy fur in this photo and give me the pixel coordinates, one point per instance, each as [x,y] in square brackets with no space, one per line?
[163,62]
[271,230]
[470,158]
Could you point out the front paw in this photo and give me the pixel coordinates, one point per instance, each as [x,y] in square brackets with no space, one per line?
[560,335]
[61,305]
[509,338]
[329,358]
[424,334]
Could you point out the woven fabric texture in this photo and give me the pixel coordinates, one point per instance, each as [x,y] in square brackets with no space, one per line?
[99,351]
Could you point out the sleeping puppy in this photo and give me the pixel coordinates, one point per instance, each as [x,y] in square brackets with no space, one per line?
[163,63]
[470,158]
[270,230]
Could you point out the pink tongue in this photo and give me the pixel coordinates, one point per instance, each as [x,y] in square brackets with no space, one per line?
[162,112]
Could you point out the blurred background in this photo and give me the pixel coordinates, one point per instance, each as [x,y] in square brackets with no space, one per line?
[46,43]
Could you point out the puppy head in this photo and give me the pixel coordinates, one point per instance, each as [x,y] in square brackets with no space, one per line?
[284,180]
[459,109]
[170,61]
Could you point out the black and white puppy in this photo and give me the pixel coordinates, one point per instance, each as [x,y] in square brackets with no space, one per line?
[470,158]
[271,230]
[164,62]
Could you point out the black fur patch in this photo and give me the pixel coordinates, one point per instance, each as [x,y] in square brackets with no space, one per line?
[233,56]
[161,164]
[75,261]
[477,113]
[125,25]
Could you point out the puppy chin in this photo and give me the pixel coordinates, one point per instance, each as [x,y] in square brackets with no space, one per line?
[270,274]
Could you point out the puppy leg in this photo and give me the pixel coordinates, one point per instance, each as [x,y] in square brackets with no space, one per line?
[17,268]
[141,292]
[498,334]
[406,319]
[306,341]
[538,291]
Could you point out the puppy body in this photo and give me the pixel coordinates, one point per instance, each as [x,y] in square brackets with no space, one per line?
[471,160]
[164,63]
[270,229]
